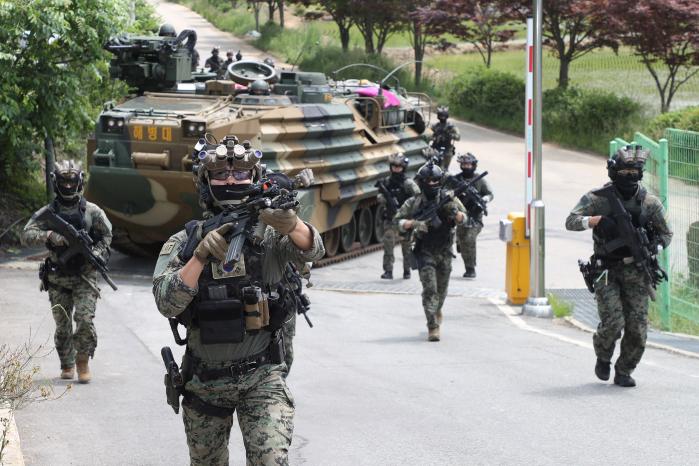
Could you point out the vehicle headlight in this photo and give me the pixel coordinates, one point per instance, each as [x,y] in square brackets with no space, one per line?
[193,129]
[112,124]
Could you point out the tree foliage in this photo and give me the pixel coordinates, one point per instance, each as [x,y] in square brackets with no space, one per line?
[54,72]
[568,30]
[663,33]
[377,22]
[481,23]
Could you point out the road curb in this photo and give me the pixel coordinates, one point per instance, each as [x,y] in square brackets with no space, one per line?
[12,454]
[586,328]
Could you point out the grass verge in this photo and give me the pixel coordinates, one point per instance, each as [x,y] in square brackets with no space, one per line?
[561,308]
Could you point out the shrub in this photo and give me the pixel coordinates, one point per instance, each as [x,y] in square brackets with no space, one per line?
[488,97]
[580,118]
[587,118]
[686,119]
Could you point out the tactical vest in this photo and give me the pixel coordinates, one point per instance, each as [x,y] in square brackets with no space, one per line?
[397,189]
[441,237]
[231,304]
[77,219]
[609,245]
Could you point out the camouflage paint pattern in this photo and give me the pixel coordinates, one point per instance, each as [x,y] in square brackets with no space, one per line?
[265,410]
[391,236]
[142,176]
[622,304]
[434,262]
[73,297]
[466,236]
[622,292]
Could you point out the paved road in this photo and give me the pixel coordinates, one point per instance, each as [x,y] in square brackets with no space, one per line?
[370,390]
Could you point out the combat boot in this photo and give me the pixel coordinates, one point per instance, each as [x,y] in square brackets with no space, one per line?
[387,275]
[433,334]
[406,274]
[602,369]
[67,373]
[84,375]
[470,272]
[624,380]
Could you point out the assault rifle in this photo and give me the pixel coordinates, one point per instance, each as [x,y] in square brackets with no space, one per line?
[268,193]
[430,212]
[392,204]
[634,238]
[79,243]
[303,303]
[174,382]
[471,198]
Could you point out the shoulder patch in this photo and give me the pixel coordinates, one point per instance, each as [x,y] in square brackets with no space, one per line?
[168,247]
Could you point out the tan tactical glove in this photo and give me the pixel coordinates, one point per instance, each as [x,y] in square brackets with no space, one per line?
[420,226]
[305,177]
[57,239]
[284,221]
[213,244]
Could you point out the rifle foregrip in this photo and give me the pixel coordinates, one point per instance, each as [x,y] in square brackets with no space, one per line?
[168,358]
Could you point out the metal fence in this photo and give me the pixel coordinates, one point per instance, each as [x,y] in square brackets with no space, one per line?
[672,173]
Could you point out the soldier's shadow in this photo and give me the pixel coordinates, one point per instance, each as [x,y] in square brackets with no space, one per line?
[582,390]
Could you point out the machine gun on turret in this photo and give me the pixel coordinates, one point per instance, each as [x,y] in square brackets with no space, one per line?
[152,63]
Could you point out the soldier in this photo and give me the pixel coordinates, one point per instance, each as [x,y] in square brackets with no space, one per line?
[72,287]
[234,360]
[467,233]
[432,250]
[399,189]
[229,60]
[620,285]
[214,62]
[444,134]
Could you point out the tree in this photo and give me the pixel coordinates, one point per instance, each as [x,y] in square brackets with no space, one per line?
[377,22]
[663,33]
[420,33]
[481,23]
[340,11]
[568,30]
[52,64]
[256,5]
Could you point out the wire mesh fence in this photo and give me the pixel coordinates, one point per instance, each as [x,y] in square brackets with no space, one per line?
[672,173]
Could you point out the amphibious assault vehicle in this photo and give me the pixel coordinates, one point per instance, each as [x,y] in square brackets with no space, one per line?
[140,155]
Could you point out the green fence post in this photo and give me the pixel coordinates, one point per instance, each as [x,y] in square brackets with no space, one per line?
[663,181]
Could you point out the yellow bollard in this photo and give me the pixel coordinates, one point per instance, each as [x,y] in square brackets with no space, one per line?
[513,232]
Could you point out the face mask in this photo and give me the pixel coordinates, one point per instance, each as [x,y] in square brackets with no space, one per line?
[431,191]
[468,173]
[229,194]
[627,185]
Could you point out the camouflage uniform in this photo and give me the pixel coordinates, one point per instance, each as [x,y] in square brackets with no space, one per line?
[622,292]
[433,253]
[73,293]
[444,134]
[264,405]
[407,189]
[467,233]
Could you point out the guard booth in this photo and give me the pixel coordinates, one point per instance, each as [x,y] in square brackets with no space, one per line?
[513,232]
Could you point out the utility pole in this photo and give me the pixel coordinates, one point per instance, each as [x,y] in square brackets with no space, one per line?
[537,304]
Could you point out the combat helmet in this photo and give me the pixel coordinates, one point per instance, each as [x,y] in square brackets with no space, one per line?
[68,179]
[219,160]
[398,159]
[167,30]
[215,50]
[467,158]
[625,168]
[442,113]
[429,178]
